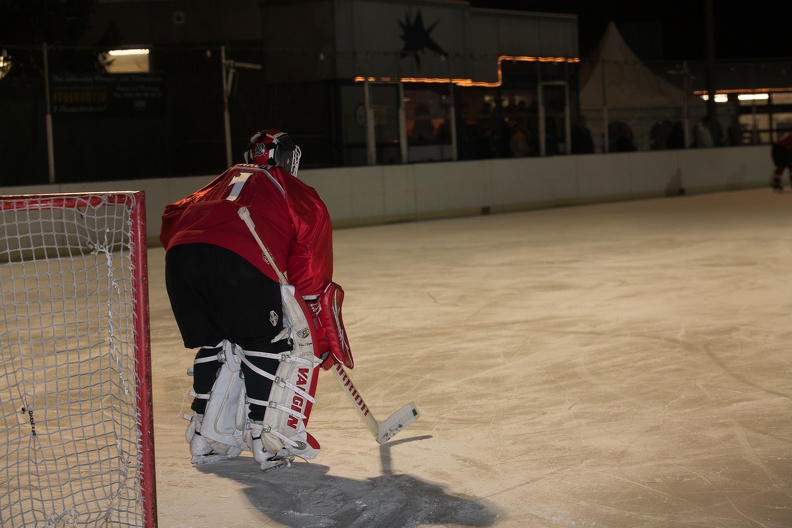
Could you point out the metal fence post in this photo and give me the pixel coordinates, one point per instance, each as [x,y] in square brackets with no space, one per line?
[48,117]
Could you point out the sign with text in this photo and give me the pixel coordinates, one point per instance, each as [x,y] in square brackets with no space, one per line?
[81,93]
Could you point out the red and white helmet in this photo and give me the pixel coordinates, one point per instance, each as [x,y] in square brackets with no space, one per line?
[273,148]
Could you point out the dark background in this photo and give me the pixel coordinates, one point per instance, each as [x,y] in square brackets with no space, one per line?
[675,30]
[179,131]
[661,30]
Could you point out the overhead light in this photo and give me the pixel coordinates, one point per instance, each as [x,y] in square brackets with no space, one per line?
[122,52]
[5,64]
[753,97]
[719,98]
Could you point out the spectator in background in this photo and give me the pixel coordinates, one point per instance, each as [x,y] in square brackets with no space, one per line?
[423,130]
[734,134]
[502,148]
[552,139]
[582,142]
[658,136]
[781,152]
[703,133]
[620,137]
[676,138]
[519,142]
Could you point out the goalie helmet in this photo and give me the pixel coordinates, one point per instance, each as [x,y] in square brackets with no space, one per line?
[273,148]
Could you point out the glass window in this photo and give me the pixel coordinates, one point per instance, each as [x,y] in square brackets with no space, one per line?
[427,113]
[125,61]
[756,128]
[783,123]
[781,98]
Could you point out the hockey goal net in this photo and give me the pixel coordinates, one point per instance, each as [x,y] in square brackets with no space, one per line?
[76,439]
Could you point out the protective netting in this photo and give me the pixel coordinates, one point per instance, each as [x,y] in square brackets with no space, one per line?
[71,435]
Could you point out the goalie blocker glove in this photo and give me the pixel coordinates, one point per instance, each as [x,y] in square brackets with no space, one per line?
[330,326]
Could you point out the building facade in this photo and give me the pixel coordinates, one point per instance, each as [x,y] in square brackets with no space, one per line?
[355,82]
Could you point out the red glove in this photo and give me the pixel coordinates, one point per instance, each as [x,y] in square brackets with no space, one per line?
[329,317]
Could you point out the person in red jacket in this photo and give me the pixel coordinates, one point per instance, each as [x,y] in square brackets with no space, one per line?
[224,279]
[781,152]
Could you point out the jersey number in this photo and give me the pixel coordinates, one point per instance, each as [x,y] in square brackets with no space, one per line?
[238,182]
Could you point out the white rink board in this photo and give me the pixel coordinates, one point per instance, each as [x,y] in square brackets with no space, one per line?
[358,196]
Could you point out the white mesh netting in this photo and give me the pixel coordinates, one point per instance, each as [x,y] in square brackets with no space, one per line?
[70,392]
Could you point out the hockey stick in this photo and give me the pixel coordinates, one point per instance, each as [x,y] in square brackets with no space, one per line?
[386,429]
[382,431]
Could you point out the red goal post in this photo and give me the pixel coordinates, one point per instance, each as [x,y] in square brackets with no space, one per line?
[76,424]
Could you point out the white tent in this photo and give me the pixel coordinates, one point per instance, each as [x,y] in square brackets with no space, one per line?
[616,86]
[628,82]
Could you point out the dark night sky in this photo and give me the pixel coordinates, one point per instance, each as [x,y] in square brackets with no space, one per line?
[675,29]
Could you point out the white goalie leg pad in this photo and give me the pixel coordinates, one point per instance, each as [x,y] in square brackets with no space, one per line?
[225,415]
[286,412]
[204,451]
[293,386]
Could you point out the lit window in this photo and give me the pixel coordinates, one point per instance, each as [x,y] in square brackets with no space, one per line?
[125,61]
[782,98]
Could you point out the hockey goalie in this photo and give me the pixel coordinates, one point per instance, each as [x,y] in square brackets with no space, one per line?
[248,269]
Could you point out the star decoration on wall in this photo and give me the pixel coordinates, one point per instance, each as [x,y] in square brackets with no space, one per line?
[417,38]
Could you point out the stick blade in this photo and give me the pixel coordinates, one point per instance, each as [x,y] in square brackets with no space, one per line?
[397,421]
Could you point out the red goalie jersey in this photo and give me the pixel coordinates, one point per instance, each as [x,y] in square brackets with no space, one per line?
[293,223]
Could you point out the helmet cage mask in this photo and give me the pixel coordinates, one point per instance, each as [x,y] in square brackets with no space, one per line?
[272,148]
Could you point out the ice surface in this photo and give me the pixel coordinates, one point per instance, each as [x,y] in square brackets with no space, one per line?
[616,365]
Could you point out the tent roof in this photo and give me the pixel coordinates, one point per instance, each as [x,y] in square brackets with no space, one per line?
[629,83]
